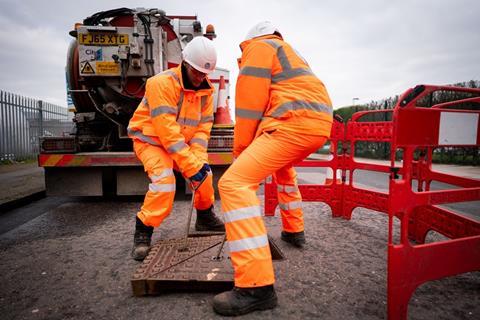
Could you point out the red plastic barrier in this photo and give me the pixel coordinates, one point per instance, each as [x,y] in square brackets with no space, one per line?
[359,130]
[417,131]
[423,129]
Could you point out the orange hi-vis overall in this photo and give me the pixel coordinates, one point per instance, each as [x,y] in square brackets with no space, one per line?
[170,130]
[283,113]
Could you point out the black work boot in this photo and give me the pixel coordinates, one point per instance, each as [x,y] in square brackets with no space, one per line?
[208,221]
[244,300]
[141,240]
[295,238]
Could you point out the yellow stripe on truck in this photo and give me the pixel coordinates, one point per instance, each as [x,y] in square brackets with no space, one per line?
[52,160]
[78,160]
[219,158]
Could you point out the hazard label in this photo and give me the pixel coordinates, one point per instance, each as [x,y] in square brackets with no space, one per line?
[108,67]
[87,69]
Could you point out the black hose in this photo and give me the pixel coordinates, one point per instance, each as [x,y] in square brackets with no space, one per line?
[96,18]
[148,44]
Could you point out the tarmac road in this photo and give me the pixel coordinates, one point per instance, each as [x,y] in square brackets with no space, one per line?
[72,262]
[20,180]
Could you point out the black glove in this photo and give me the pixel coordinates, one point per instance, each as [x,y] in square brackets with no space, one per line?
[200,175]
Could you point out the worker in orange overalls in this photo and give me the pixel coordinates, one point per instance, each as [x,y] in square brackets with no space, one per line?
[283,114]
[170,130]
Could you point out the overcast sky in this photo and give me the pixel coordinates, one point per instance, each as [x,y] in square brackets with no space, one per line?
[369,49]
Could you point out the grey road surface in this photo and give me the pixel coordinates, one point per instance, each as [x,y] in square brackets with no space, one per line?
[20,180]
[71,261]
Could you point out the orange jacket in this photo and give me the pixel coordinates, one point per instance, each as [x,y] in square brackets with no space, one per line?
[276,89]
[175,118]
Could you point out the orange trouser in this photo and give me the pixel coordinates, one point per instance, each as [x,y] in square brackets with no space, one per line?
[161,191]
[271,153]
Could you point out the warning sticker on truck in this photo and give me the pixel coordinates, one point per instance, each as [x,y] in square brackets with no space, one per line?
[108,68]
[87,69]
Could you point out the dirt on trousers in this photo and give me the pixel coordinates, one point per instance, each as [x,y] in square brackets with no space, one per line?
[73,262]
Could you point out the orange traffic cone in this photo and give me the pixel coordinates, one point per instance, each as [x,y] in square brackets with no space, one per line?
[222,116]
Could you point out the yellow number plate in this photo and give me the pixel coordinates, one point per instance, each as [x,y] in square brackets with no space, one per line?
[103,39]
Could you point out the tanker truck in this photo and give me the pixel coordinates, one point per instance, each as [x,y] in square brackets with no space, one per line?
[111,56]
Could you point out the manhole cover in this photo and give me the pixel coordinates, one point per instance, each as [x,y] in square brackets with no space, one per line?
[167,268]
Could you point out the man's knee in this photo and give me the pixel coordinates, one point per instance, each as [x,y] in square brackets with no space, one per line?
[225,184]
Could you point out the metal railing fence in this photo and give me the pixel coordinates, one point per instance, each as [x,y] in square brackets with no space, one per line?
[24,120]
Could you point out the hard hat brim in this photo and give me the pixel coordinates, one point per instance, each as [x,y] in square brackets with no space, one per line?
[198,68]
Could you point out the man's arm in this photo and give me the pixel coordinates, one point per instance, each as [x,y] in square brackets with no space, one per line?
[252,93]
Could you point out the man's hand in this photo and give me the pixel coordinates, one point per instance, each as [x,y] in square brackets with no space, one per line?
[200,175]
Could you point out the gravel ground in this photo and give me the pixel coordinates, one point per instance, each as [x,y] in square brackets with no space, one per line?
[73,263]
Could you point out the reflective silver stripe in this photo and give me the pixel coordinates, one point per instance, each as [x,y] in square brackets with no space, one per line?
[206,119]
[155,112]
[241,214]
[161,187]
[248,243]
[286,188]
[256,72]
[299,105]
[180,99]
[295,205]
[203,102]
[188,122]
[272,43]
[290,205]
[177,147]
[288,72]
[282,58]
[165,173]
[199,141]
[171,73]
[140,136]
[145,101]
[292,73]
[248,114]
[179,104]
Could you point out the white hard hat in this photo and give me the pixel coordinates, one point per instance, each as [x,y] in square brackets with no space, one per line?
[261,29]
[200,54]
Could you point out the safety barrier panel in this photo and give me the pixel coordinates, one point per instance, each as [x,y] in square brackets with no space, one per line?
[411,265]
[414,132]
